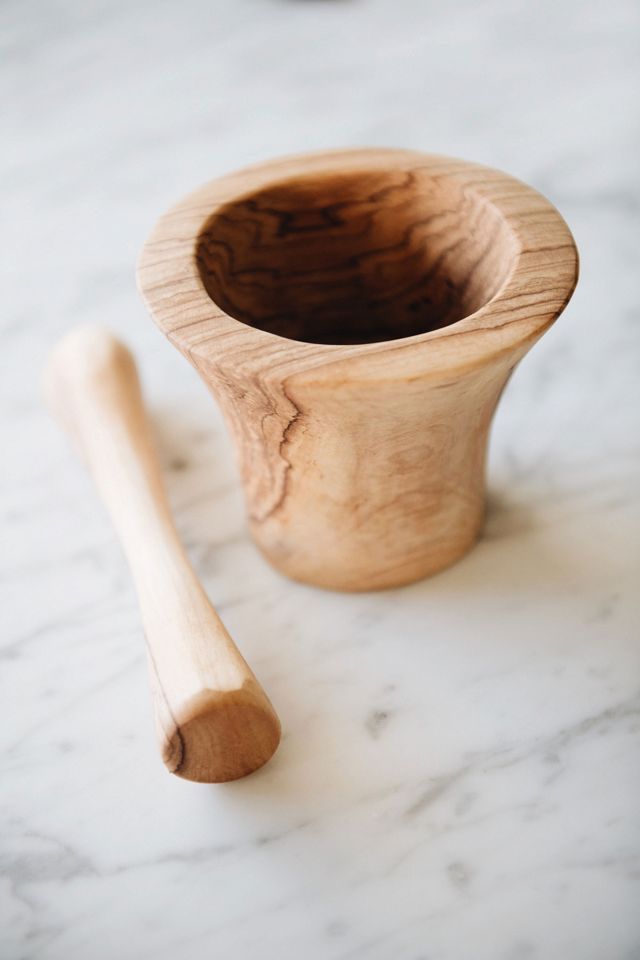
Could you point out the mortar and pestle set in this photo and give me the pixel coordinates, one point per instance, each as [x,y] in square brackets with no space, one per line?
[357,315]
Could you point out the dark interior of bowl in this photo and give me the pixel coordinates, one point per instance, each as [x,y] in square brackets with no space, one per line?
[357,257]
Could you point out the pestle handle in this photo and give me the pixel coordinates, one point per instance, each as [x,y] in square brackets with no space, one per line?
[214,721]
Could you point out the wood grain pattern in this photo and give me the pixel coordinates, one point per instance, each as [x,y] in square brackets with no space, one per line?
[213,719]
[357,315]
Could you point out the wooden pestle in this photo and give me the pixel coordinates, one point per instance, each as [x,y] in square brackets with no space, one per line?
[213,719]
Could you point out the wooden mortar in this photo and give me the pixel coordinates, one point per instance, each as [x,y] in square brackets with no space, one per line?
[357,315]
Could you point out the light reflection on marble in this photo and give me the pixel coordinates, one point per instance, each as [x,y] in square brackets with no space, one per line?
[460,772]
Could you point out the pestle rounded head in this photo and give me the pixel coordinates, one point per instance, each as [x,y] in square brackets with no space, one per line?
[222,736]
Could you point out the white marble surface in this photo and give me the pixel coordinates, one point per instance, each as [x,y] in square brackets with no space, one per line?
[460,773]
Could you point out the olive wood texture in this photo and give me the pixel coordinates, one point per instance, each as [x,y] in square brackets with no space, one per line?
[357,315]
[214,721]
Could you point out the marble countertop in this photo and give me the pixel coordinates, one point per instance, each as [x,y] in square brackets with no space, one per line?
[460,770]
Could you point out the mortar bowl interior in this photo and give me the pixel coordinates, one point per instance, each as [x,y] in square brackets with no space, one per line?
[356,257]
